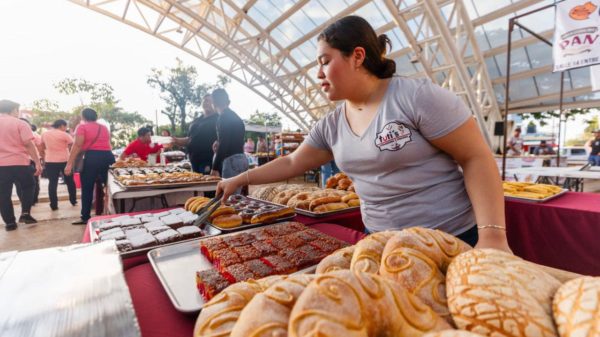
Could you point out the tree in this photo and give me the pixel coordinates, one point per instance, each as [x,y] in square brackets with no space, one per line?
[100,97]
[265,118]
[542,117]
[45,112]
[181,92]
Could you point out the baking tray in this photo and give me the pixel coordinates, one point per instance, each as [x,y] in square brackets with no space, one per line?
[564,190]
[176,267]
[167,185]
[312,214]
[209,230]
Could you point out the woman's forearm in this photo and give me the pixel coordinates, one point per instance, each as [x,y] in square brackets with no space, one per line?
[484,187]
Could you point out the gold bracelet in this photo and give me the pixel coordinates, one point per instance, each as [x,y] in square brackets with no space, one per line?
[492,227]
[248,176]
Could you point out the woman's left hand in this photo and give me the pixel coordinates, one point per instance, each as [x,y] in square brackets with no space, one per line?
[491,238]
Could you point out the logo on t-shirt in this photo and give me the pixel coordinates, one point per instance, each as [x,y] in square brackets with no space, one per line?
[393,137]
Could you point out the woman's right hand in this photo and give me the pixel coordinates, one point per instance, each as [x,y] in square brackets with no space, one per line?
[228,186]
[68,169]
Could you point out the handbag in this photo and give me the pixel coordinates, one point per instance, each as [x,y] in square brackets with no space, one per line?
[78,166]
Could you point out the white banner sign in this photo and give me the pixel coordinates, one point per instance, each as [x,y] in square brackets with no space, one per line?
[576,36]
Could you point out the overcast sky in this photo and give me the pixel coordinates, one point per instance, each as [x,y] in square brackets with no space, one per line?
[44,41]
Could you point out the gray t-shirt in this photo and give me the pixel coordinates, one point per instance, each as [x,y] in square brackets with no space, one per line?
[401,178]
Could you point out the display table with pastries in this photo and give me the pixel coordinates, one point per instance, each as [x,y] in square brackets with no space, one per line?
[121,200]
[155,312]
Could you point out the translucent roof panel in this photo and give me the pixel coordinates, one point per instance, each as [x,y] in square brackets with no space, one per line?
[273,43]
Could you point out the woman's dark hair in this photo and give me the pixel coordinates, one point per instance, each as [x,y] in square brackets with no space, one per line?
[143,131]
[353,31]
[89,114]
[58,123]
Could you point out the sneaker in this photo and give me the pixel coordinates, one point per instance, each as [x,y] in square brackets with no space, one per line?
[27,218]
[10,227]
[54,208]
[79,222]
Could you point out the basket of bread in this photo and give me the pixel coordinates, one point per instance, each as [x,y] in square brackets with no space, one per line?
[413,282]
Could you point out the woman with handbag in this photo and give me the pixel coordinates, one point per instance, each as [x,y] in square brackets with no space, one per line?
[91,155]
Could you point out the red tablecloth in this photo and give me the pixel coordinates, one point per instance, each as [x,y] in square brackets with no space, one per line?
[351,220]
[157,316]
[562,233]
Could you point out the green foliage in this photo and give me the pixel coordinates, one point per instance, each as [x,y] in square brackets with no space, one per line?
[45,112]
[542,117]
[100,97]
[181,93]
[260,118]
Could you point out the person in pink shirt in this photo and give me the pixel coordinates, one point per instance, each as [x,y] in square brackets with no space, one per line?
[16,151]
[94,139]
[55,144]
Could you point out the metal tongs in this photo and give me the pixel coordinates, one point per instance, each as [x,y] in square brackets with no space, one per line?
[208,209]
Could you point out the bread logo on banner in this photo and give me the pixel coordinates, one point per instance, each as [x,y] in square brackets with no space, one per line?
[393,137]
[582,12]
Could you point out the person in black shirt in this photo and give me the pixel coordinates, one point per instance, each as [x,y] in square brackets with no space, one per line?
[594,146]
[230,159]
[200,138]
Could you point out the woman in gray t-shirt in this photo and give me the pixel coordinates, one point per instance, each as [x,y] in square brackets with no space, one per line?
[400,140]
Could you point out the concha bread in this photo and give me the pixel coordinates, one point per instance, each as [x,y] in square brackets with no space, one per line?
[220,314]
[347,303]
[338,260]
[268,313]
[494,293]
[576,308]
[418,259]
[367,255]
[452,333]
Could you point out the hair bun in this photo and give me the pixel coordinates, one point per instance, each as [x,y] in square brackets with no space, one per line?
[388,68]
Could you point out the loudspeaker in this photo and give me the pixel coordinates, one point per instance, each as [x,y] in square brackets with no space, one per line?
[499,129]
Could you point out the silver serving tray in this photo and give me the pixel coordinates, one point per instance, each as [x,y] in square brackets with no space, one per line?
[176,267]
[309,213]
[564,190]
[209,230]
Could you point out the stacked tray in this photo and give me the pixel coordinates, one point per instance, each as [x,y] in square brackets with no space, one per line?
[136,235]
[255,253]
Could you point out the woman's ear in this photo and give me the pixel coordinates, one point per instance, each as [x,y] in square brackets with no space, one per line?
[358,56]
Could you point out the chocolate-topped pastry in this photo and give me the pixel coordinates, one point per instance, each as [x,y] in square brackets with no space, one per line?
[169,235]
[124,245]
[236,198]
[188,232]
[266,208]
[240,239]
[264,248]
[247,215]
[237,273]
[142,240]
[254,205]
[262,234]
[279,264]
[247,252]
[210,282]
